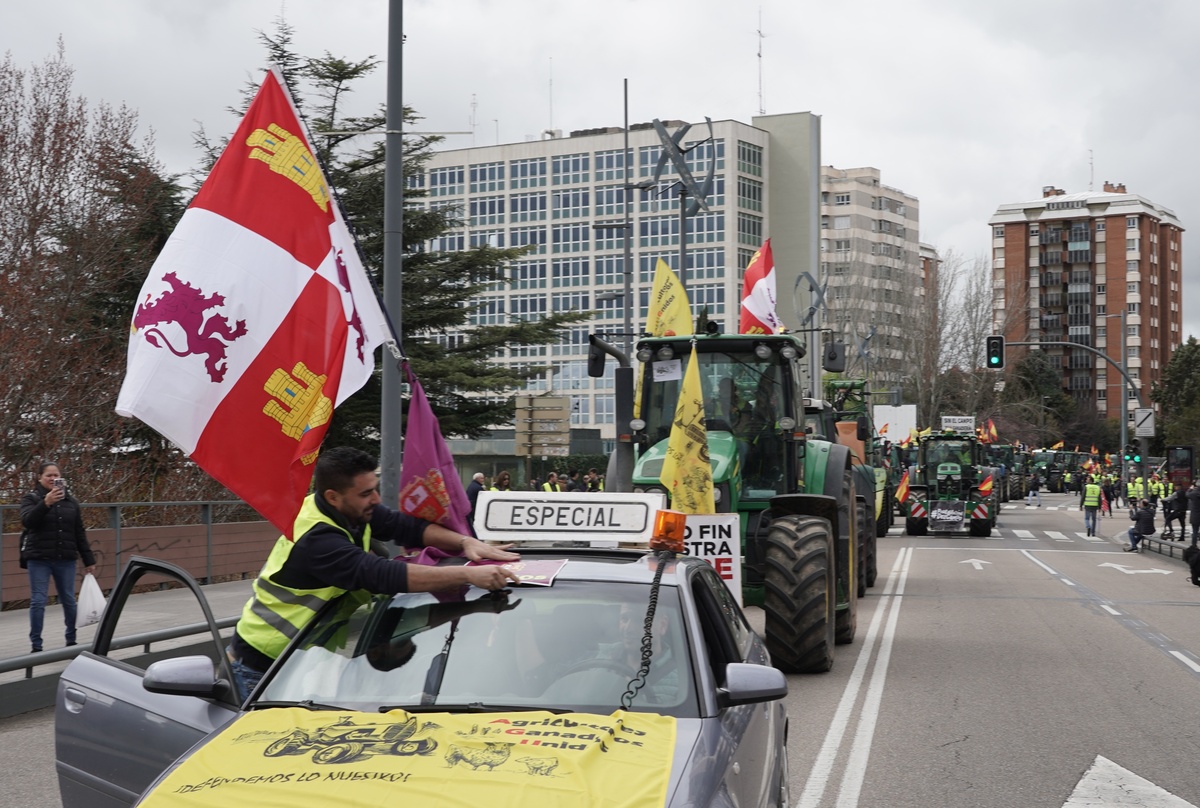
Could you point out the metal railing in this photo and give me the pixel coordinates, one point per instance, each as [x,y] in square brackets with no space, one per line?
[116,522]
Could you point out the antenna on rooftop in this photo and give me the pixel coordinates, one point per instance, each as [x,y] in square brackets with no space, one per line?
[1091,170]
[551,127]
[474,109]
[762,110]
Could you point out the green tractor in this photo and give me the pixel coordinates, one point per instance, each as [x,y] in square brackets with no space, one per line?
[850,399]
[1003,457]
[951,489]
[800,520]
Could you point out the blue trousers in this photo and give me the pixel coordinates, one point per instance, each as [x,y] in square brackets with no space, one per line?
[1089,518]
[40,573]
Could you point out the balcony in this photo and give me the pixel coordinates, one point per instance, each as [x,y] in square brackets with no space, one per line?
[1052,236]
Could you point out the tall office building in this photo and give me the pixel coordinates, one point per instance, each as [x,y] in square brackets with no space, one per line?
[567,199]
[1075,268]
[872,257]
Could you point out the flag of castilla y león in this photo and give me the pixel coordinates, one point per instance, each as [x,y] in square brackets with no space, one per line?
[257,318]
[429,485]
[758,294]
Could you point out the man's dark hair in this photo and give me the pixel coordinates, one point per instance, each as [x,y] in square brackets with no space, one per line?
[337,468]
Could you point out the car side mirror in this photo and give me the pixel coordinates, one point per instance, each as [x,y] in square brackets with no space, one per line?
[185,676]
[746,683]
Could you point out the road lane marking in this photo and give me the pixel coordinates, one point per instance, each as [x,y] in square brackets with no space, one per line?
[1054,534]
[1110,609]
[1191,663]
[818,777]
[1025,535]
[860,749]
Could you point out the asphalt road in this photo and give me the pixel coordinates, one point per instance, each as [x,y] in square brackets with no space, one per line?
[1000,672]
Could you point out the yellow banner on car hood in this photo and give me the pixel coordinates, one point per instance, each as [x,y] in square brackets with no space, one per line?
[291,757]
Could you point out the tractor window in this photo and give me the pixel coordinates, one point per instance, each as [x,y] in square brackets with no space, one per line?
[741,394]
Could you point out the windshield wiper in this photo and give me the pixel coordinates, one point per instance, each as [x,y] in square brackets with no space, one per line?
[307,704]
[473,707]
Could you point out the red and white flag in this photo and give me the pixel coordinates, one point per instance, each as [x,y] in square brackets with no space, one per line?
[758,295]
[257,319]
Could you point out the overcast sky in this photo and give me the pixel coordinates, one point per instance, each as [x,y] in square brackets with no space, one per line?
[965,105]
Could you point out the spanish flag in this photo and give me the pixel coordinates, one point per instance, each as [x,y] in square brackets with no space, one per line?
[1058,445]
[993,435]
[985,487]
[686,471]
[902,488]
[883,429]
[904,444]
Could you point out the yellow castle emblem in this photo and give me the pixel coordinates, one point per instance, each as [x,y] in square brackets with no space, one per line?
[303,406]
[286,154]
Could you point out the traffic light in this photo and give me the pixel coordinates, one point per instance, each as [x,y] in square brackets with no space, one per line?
[1133,452]
[995,353]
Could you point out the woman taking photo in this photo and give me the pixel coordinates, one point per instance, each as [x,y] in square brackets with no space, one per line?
[54,540]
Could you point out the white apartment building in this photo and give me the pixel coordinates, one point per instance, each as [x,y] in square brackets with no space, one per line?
[565,198]
[872,257]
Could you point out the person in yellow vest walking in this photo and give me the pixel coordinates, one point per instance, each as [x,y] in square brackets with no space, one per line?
[1091,505]
[552,485]
[330,554]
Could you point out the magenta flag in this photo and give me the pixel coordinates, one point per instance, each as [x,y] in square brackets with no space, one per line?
[429,484]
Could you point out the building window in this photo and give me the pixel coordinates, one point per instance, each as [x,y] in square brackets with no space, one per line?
[487,177]
[750,194]
[711,296]
[534,237]
[530,173]
[841,199]
[610,165]
[610,269]
[570,169]
[1101,288]
[579,410]
[841,245]
[611,200]
[528,207]
[750,159]
[750,229]
[706,263]
[572,342]
[701,154]
[610,308]
[606,410]
[1133,308]
[446,181]
[609,235]
[529,275]
[487,311]
[570,238]
[570,301]
[487,238]
[706,228]
[1131,222]
[448,242]
[1099,225]
[528,307]
[487,210]
[571,204]
[570,272]
[658,231]
[1131,266]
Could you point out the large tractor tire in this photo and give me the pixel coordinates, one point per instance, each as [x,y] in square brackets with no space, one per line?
[841,488]
[916,527]
[866,556]
[981,528]
[800,584]
[884,520]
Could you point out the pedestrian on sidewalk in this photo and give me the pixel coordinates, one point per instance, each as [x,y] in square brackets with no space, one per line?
[52,540]
[1193,502]
[1175,510]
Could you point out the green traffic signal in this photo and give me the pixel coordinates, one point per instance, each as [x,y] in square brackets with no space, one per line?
[995,352]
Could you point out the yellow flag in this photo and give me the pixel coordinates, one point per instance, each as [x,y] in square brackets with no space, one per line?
[669,308]
[686,471]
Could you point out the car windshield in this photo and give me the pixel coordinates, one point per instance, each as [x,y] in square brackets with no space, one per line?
[571,646]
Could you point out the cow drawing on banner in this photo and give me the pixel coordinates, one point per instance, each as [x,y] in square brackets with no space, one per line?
[188,308]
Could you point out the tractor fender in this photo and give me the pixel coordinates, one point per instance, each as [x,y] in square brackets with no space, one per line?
[807,505]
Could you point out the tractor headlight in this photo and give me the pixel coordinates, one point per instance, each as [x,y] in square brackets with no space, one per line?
[644,354]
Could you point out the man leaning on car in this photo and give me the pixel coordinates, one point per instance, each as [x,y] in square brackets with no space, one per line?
[331,555]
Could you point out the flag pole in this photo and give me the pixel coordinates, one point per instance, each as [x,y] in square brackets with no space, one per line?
[390,419]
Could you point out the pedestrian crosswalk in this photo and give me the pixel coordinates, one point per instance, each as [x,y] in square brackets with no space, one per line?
[1001,533]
